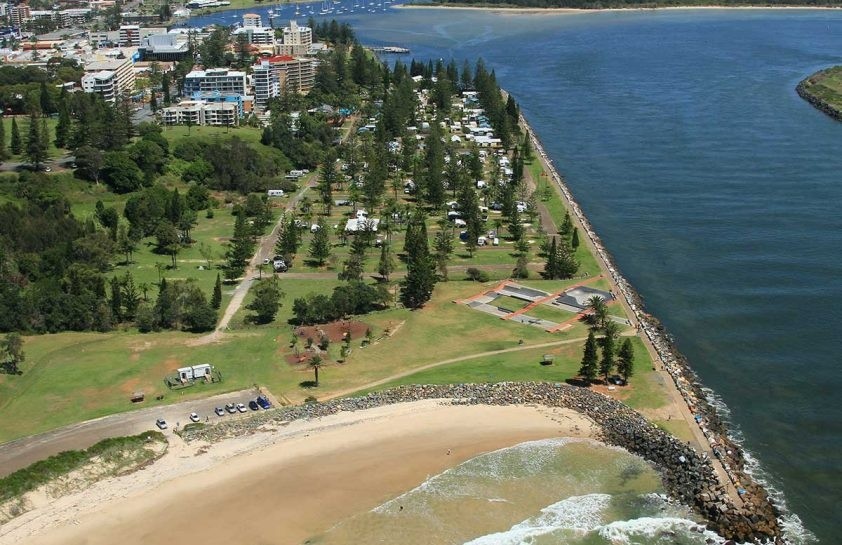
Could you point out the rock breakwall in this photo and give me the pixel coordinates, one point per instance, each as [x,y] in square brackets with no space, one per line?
[687,476]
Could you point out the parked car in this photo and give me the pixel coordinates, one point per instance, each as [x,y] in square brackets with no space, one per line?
[219,411]
[241,408]
[161,423]
[264,402]
[231,408]
[194,417]
[253,405]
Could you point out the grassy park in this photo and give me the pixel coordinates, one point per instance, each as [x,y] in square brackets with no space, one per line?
[79,376]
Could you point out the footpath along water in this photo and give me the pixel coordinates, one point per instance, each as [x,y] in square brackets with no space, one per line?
[713,184]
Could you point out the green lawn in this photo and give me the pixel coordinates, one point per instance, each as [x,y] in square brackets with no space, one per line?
[174,133]
[553,314]
[509,303]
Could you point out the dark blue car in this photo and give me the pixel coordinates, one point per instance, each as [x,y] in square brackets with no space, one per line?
[263,402]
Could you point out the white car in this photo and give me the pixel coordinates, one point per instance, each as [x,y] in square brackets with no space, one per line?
[242,408]
[194,417]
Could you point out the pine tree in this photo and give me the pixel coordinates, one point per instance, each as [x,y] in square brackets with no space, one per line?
[589,359]
[44,135]
[327,177]
[420,273]
[574,241]
[240,248]
[3,151]
[63,126]
[625,360]
[288,239]
[16,144]
[551,267]
[216,298]
[566,228]
[320,244]
[116,299]
[387,261]
[609,341]
[35,151]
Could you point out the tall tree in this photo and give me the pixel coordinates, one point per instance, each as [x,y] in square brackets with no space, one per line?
[266,302]
[574,240]
[320,244]
[420,270]
[216,298]
[11,353]
[625,359]
[4,153]
[16,144]
[387,261]
[63,126]
[116,300]
[443,247]
[35,150]
[590,357]
[609,348]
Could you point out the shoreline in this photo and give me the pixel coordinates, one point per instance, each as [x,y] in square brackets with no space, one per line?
[377,453]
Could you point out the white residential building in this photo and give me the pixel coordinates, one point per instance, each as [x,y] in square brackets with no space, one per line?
[252,20]
[215,80]
[200,112]
[257,35]
[120,83]
[282,73]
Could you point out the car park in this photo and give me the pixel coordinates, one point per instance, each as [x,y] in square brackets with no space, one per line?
[194,417]
[241,408]
[231,408]
[253,405]
[219,411]
[161,423]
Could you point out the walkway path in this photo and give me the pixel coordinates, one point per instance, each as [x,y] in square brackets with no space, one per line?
[415,370]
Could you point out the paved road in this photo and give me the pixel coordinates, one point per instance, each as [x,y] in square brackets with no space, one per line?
[23,452]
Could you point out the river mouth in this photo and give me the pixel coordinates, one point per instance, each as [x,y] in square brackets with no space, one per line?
[550,491]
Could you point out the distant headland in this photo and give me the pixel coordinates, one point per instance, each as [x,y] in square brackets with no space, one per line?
[824,91]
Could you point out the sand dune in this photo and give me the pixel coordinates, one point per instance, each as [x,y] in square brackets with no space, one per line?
[285,485]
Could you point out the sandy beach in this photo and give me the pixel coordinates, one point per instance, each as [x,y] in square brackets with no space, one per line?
[301,479]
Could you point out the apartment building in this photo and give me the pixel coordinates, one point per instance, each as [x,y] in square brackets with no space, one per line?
[129,36]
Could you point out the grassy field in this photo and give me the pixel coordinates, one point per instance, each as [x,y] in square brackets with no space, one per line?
[826,86]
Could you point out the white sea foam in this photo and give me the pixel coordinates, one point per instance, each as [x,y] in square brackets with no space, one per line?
[534,456]
[621,531]
[792,528]
[577,513]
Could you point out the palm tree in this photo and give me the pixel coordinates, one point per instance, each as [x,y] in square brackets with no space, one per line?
[599,312]
[315,362]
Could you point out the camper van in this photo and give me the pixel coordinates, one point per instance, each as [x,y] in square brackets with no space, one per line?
[275,192]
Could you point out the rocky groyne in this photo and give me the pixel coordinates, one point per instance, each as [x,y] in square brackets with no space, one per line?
[687,475]
[804,91]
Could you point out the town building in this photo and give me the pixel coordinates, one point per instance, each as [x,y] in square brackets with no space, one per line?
[129,36]
[280,74]
[110,78]
[164,47]
[200,112]
[215,80]
[74,16]
[252,20]
[19,14]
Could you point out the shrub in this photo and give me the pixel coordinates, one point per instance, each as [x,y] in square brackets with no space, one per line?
[477,275]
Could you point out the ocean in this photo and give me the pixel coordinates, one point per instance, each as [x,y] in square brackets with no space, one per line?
[714,185]
[541,492]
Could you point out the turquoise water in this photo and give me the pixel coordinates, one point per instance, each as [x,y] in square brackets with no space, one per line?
[715,186]
[540,492]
